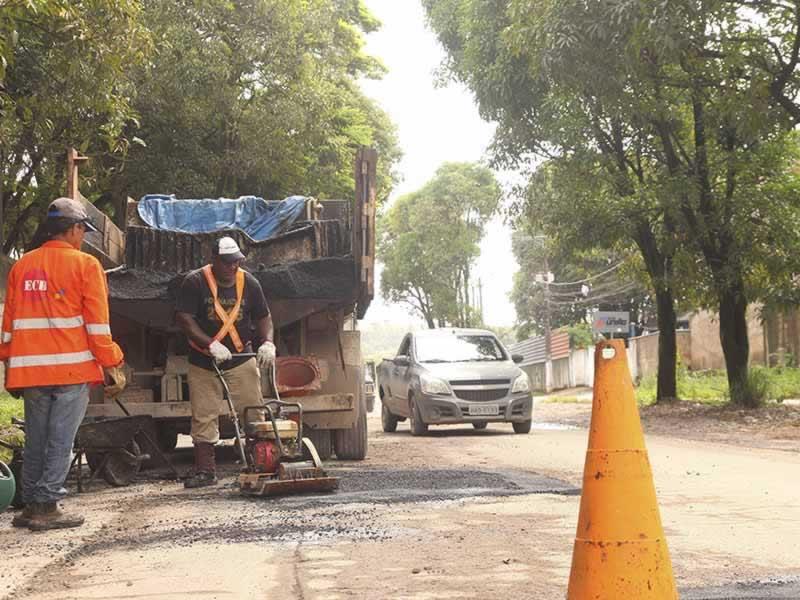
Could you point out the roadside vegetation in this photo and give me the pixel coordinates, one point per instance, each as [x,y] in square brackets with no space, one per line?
[711,387]
[9,407]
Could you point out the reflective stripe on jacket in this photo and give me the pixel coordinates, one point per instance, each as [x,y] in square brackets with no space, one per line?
[55,323]
[228,319]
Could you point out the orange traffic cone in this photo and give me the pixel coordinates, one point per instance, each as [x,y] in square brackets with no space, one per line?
[620,552]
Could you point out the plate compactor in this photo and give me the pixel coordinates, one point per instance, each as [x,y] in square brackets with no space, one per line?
[277,459]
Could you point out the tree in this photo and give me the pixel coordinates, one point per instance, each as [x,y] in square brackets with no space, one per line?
[650,105]
[248,97]
[64,84]
[429,240]
[256,97]
[552,110]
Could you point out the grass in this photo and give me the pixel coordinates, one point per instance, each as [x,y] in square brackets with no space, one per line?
[9,407]
[711,387]
[565,400]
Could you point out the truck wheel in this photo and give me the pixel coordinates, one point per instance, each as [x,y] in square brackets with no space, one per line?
[388,420]
[322,440]
[522,426]
[351,444]
[418,427]
[480,424]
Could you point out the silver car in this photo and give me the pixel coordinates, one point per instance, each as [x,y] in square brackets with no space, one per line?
[444,376]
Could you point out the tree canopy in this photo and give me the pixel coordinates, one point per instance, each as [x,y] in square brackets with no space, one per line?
[429,240]
[200,98]
[671,113]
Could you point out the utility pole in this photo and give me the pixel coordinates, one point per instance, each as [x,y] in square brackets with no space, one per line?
[548,363]
[480,300]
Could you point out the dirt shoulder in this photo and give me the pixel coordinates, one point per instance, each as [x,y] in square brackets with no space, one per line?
[776,426]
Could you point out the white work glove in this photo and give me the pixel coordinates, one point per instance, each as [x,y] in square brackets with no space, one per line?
[118,381]
[266,355]
[219,352]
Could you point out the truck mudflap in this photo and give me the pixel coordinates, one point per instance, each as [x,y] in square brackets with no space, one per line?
[316,408]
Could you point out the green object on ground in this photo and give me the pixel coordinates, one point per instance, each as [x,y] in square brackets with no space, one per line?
[7,486]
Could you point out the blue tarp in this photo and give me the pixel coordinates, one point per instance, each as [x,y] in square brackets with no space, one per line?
[258,218]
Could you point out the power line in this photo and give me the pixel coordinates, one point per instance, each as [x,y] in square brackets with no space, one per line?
[595,299]
[599,289]
[591,277]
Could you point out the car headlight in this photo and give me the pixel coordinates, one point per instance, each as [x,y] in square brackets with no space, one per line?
[433,385]
[521,384]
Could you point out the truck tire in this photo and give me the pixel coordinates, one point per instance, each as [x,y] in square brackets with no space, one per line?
[351,444]
[417,425]
[322,440]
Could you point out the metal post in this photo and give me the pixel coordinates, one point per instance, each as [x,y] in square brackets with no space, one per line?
[548,364]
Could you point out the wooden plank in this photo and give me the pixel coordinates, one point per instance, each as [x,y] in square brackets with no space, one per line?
[364,226]
[322,403]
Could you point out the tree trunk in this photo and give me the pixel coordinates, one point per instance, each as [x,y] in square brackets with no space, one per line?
[659,268]
[667,387]
[735,345]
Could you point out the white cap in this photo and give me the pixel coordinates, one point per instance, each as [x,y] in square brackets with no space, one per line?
[228,250]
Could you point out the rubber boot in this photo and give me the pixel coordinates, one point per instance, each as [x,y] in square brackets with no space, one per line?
[23,519]
[205,468]
[47,516]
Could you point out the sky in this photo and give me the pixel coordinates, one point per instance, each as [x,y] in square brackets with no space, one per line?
[435,125]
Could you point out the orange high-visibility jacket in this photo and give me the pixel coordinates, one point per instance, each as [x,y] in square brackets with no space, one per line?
[55,323]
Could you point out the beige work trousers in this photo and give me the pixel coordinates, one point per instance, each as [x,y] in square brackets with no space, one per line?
[208,403]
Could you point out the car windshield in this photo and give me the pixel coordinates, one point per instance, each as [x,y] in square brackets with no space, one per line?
[458,348]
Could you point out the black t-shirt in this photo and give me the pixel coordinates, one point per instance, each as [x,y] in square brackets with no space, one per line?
[195,298]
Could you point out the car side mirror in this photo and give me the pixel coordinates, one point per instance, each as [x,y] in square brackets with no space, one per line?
[517,358]
[402,361]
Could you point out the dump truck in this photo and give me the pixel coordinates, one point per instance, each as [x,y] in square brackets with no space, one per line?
[317,276]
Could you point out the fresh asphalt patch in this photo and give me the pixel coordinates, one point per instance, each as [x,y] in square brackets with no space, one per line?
[779,588]
[219,514]
[382,486]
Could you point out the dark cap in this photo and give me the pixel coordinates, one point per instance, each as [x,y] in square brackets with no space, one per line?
[72,210]
[227,249]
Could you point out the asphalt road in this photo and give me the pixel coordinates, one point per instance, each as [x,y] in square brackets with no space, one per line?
[457,514]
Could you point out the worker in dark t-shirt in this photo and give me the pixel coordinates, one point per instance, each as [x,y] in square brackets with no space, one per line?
[222,310]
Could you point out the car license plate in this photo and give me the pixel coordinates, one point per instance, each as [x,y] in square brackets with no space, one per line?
[482,410]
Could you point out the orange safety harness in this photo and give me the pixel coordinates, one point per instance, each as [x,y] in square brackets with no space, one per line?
[228,318]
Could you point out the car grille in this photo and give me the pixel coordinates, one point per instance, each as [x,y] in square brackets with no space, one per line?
[481,395]
[466,382]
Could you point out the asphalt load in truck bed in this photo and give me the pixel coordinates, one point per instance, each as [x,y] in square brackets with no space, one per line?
[324,278]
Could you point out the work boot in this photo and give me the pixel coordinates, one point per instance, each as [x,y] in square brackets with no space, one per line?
[47,515]
[205,468]
[23,519]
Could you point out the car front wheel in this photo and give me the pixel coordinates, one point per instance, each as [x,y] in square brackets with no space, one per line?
[522,426]
[388,420]
[418,427]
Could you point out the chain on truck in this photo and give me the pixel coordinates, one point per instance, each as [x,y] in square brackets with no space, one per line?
[317,275]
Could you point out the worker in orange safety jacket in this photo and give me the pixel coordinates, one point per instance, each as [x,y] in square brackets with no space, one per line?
[55,343]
